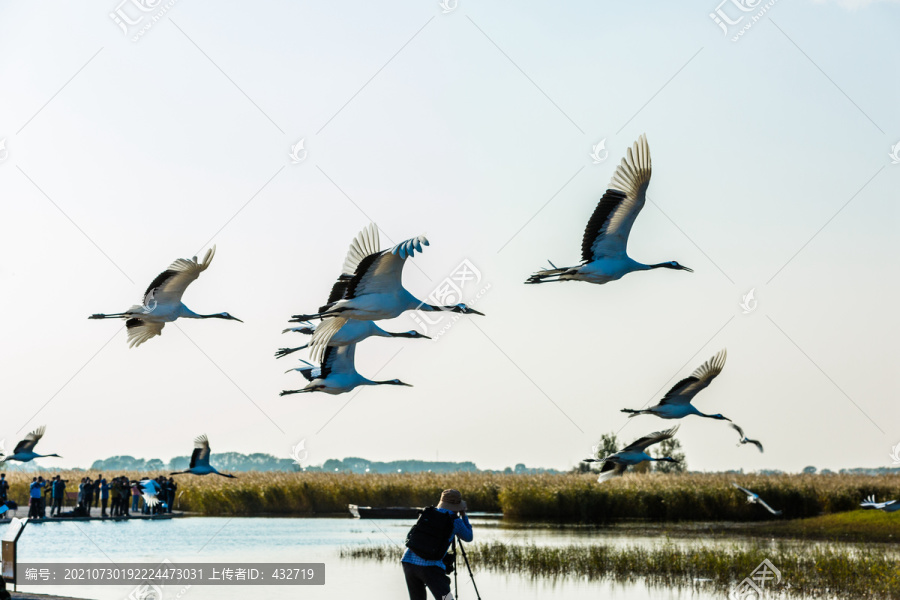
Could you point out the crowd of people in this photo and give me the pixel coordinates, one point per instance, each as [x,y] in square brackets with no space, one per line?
[121,496]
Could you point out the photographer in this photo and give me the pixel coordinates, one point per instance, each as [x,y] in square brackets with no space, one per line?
[426,562]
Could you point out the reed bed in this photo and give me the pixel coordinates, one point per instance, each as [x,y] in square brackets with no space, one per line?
[806,571]
[569,498]
[687,497]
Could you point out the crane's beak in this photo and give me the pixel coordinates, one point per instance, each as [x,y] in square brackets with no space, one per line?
[688,269]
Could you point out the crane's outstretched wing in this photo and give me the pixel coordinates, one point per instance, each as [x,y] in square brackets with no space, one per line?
[169,286]
[606,234]
[340,359]
[650,439]
[756,443]
[30,441]
[745,490]
[610,470]
[365,244]
[381,273]
[740,431]
[322,336]
[139,331]
[891,506]
[870,503]
[767,507]
[200,456]
[685,390]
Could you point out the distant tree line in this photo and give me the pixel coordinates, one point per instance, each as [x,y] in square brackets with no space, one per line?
[226,461]
[235,461]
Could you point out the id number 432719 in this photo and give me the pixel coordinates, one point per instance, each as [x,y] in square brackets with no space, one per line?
[298,574]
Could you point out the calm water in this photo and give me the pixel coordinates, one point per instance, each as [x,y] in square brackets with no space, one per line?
[310,540]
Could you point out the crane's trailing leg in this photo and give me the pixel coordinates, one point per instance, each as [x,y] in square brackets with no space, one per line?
[285,351]
[543,275]
[289,392]
[635,413]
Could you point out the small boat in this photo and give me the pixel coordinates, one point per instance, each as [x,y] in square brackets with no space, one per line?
[384,512]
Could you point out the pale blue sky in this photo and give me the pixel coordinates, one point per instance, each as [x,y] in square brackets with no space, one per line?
[123,156]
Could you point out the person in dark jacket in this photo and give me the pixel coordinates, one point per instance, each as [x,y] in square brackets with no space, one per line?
[172,488]
[88,495]
[58,490]
[4,488]
[104,497]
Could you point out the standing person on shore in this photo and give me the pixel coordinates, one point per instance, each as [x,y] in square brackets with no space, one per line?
[88,495]
[104,497]
[426,562]
[114,496]
[4,487]
[135,496]
[97,489]
[117,497]
[126,496]
[45,492]
[58,489]
[34,497]
[172,488]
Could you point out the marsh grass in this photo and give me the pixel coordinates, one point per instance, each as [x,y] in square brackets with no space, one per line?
[686,497]
[569,498]
[809,570]
[854,526]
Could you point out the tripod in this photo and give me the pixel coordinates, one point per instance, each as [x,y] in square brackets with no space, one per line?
[468,568]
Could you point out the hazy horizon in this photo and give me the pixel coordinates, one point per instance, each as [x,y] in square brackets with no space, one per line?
[771,172]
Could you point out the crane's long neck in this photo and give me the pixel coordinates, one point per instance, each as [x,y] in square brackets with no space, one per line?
[379,332]
[436,308]
[189,314]
[642,267]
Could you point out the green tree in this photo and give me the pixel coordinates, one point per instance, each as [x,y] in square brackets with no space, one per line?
[670,447]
